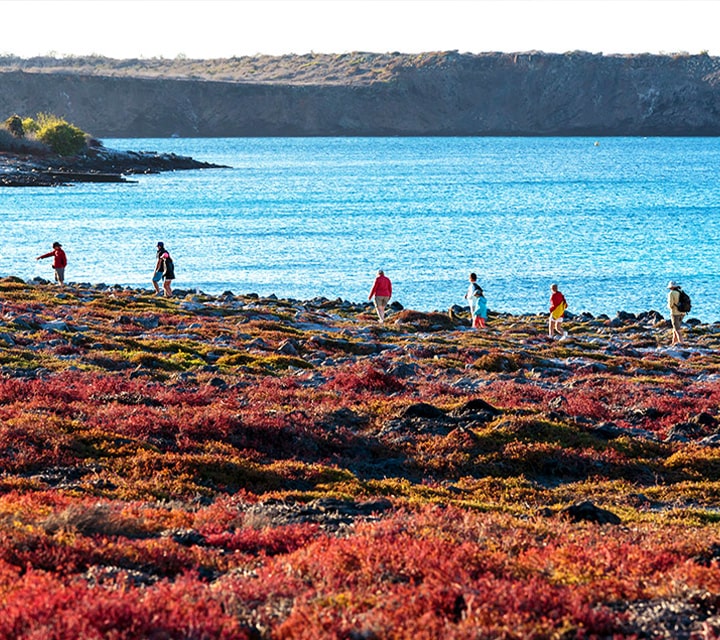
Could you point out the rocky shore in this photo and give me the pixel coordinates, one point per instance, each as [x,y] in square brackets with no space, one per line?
[98,164]
[275,464]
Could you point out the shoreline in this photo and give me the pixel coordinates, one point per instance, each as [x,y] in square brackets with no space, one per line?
[98,164]
[459,312]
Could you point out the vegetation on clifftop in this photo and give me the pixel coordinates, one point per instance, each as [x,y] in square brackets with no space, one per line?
[356,67]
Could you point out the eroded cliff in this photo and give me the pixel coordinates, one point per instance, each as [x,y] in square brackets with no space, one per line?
[373,94]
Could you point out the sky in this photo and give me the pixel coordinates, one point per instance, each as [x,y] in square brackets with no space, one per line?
[227,28]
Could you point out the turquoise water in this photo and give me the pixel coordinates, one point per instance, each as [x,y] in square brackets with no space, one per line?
[611,220]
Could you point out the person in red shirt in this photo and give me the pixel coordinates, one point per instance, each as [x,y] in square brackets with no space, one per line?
[382,292]
[59,261]
[558,305]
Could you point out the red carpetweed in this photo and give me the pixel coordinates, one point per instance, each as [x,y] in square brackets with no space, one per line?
[257,468]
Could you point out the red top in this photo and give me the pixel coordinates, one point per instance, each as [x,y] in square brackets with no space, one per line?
[59,260]
[556,299]
[381,287]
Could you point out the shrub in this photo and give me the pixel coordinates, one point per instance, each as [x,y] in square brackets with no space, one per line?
[14,125]
[63,138]
[361,378]
[30,125]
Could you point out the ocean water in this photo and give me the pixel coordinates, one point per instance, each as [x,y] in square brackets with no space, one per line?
[610,220]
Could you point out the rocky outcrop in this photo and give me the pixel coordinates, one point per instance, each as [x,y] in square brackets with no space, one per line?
[390,94]
[98,164]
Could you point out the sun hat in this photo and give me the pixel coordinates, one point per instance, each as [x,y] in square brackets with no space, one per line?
[160,244]
[56,244]
[672,284]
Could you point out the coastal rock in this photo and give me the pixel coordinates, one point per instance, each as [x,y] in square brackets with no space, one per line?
[185,537]
[422,410]
[588,512]
[710,441]
[607,431]
[147,322]
[97,165]
[288,348]
[475,407]
[7,339]
[684,432]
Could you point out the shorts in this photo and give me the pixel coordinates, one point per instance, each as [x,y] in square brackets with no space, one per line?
[157,276]
[676,320]
[59,274]
[381,301]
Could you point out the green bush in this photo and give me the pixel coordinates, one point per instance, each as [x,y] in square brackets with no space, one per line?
[63,138]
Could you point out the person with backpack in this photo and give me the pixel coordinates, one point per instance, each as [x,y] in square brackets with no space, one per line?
[679,304]
[558,306]
[158,273]
[168,273]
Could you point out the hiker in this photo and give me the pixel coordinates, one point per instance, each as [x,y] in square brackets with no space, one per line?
[158,274]
[168,273]
[679,304]
[479,314]
[382,292]
[59,262]
[558,305]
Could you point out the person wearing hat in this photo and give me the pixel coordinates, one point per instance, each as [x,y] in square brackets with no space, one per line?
[59,261]
[159,268]
[676,316]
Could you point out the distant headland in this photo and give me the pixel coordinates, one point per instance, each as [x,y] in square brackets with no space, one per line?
[49,151]
[370,94]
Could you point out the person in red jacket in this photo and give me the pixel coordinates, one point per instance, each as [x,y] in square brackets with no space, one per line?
[382,292]
[558,305]
[59,261]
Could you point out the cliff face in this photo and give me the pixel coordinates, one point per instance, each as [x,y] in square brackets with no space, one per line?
[432,94]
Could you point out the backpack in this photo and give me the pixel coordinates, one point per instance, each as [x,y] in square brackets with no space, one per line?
[684,305]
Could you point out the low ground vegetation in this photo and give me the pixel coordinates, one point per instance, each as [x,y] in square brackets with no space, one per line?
[312,68]
[242,467]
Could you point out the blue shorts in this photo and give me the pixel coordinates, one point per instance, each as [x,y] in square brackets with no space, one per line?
[157,276]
